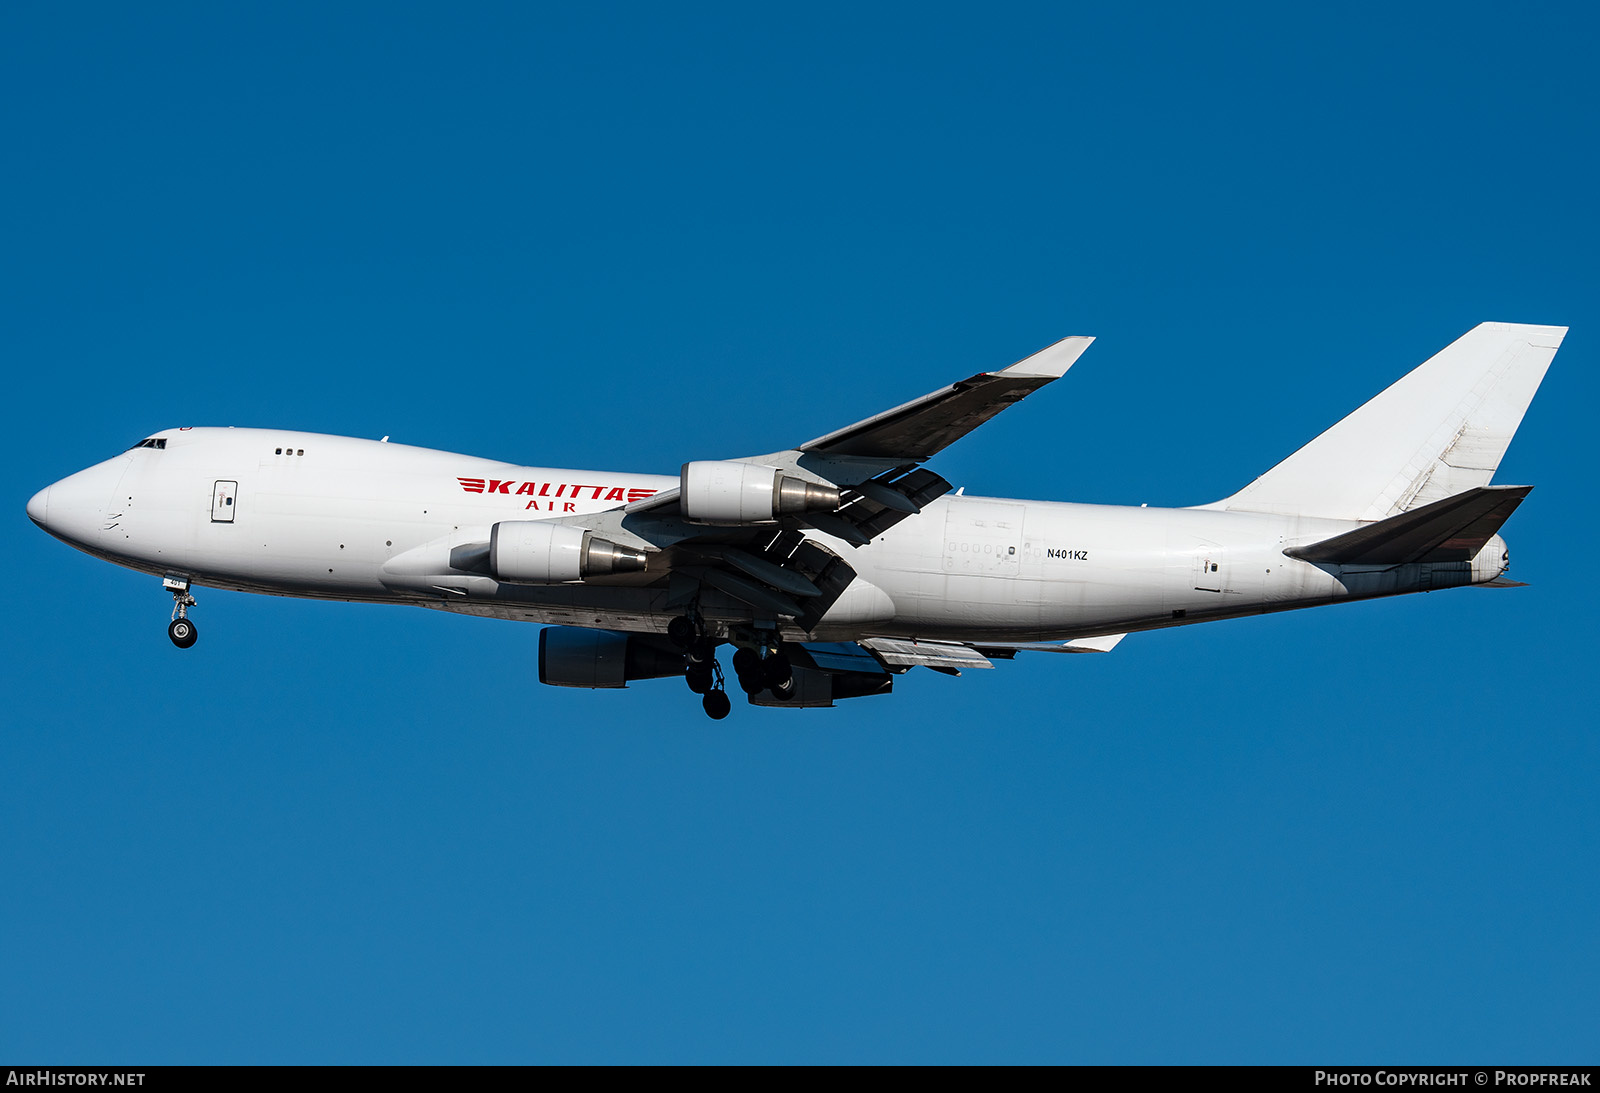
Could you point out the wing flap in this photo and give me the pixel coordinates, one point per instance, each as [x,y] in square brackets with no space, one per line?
[897,653]
[785,580]
[840,656]
[742,588]
[1101,644]
[875,506]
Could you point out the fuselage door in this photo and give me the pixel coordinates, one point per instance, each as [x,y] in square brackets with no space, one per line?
[222,502]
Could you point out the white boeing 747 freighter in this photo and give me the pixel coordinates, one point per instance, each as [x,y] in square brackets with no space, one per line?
[833,566]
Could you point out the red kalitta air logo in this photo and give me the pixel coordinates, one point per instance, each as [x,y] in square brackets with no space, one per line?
[545,496]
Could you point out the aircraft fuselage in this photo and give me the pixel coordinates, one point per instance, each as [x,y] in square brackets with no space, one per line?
[304,514]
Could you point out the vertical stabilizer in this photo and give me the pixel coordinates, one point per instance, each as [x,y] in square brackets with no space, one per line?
[1437,431]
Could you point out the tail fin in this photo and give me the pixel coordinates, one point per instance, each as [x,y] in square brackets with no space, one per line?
[1438,431]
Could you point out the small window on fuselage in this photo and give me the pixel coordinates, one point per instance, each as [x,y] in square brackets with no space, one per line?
[151,442]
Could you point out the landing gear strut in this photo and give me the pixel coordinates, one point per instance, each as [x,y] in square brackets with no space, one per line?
[704,676]
[701,670]
[181,630]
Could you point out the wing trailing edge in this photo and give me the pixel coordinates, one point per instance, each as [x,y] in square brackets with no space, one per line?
[1103,643]
[898,654]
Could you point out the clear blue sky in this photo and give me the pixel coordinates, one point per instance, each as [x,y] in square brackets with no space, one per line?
[623,237]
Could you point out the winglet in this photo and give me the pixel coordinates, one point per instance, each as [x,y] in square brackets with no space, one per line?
[1052,361]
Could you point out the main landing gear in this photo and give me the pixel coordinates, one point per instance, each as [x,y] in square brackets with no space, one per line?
[716,704]
[182,629]
[760,668]
[701,670]
[770,673]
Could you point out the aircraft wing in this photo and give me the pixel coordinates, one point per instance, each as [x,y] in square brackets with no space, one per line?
[921,428]
[871,469]
[874,458]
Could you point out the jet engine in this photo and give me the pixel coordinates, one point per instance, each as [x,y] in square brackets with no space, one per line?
[539,552]
[733,494]
[570,656]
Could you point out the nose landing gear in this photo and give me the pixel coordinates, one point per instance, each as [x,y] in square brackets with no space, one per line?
[181,630]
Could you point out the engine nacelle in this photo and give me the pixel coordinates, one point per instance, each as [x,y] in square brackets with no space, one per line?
[539,552]
[733,494]
[570,656]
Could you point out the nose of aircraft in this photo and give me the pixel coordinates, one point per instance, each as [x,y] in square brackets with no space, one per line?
[74,509]
[39,508]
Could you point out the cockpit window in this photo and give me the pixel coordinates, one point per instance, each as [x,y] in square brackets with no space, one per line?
[152,442]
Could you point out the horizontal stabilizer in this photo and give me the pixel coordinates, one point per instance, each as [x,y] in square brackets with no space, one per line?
[1451,530]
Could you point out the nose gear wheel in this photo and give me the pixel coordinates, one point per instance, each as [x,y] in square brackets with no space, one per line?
[182,629]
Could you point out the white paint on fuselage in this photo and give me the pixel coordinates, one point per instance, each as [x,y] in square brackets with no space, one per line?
[330,522]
